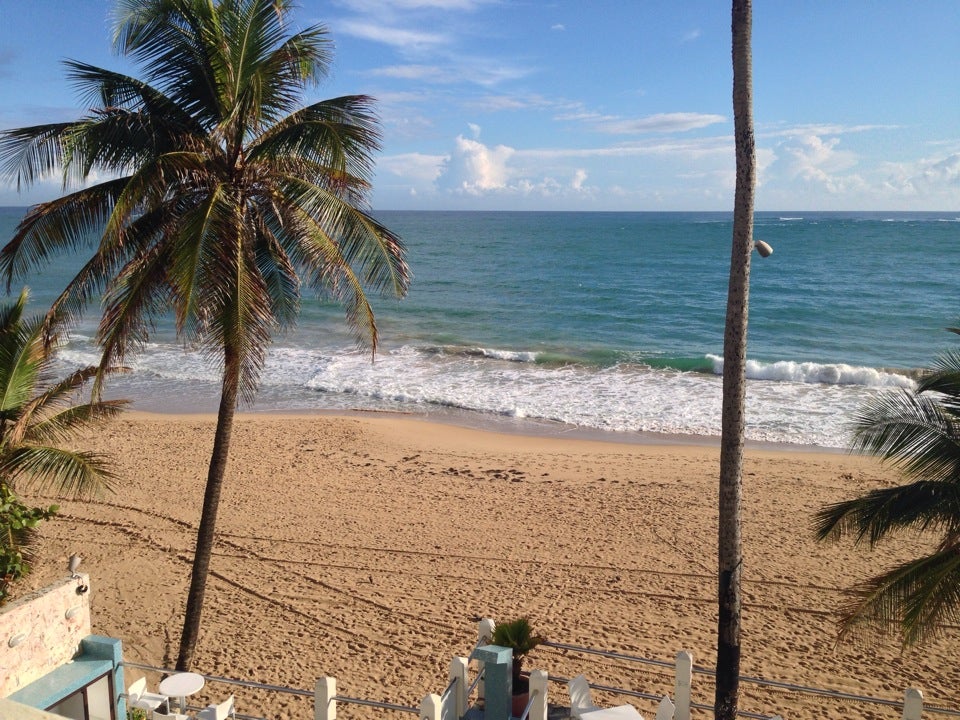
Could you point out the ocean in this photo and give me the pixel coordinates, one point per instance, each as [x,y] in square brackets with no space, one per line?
[600,323]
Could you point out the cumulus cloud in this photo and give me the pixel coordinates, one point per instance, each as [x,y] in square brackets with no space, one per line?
[474,168]
[660,123]
[813,158]
[579,178]
[924,177]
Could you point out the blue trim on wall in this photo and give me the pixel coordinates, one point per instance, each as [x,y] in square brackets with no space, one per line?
[98,656]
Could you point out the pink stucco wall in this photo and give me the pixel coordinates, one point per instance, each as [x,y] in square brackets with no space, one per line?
[45,629]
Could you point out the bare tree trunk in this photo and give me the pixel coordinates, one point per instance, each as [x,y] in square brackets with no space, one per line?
[206,533]
[729,550]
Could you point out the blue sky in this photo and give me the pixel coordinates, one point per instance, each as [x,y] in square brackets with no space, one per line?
[596,104]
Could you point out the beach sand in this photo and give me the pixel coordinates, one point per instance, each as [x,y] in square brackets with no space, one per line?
[364,548]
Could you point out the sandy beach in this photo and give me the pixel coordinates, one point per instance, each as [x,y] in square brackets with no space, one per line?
[364,548]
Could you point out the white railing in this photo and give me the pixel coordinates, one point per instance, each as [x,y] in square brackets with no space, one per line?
[684,669]
[454,702]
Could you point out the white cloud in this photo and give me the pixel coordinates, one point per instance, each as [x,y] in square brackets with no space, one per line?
[491,103]
[474,130]
[819,129]
[691,36]
[813,159]
[382,6]
[421,73]
[924,177]
[579,178]
[474,168]
[559,27]
[394,36]
[458,70]
[418,168]
[661,123]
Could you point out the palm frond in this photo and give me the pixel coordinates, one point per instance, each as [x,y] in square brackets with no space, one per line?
[175,43]
[30,154]
[22,359]
[51,416]
[910,430]
[242,321]
[138,294]
[924,505]
[148,106]
[362,242]
[944,379]
[44,468]
[914,599]
[68,223]
[339,136]
[278,271]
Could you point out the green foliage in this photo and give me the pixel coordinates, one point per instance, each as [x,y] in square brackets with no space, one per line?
[518,636]
[17,541]
[134,713]
[228,198]
[918,432]
[36,415]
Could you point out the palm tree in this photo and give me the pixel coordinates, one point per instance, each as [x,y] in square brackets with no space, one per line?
[228,197]
[918,432]
[729,548]
[37,415]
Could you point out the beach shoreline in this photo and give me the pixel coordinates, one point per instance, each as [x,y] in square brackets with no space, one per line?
[363,547]
[489,422]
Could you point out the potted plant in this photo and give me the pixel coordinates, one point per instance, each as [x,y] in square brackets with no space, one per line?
[518,636]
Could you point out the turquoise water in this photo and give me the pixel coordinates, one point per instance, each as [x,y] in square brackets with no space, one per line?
[608,321]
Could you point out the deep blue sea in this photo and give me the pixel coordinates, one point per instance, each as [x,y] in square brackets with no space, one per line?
[604,322]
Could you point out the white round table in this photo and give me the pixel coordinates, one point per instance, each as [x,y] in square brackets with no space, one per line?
[181,685]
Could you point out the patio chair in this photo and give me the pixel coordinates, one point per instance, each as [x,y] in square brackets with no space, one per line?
[580,699]
[665,709]
[157,715]
[138,697]
[218,712]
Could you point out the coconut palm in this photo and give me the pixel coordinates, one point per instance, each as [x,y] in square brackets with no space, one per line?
[38,415]
[729,543]
[228,196]
[918,432]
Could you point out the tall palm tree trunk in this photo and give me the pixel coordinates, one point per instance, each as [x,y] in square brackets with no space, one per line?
[729,549]
[206,533]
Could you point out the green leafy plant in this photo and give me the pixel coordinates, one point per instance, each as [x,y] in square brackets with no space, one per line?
[136,714]
[38,415]
[916,431]
[517,635]
[18,541]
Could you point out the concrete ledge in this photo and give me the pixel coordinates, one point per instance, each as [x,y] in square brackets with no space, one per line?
[11,709]
[64,681]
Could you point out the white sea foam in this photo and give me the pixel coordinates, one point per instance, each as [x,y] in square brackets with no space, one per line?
[810,372]
[509,355]
[802,403]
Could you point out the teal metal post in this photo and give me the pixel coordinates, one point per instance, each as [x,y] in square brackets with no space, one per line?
[498,680]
